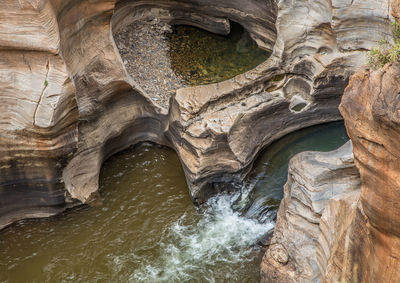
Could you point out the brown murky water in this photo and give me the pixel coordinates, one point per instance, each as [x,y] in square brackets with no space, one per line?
[147,229]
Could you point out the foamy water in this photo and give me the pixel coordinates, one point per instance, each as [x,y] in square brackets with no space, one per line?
[191,250]
[147,229]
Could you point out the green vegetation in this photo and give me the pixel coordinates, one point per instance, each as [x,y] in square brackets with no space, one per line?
[46,83]
[386,51]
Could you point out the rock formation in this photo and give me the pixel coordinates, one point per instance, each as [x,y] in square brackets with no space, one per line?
[371,107]
[314,178]
[356,237]
[38,112]
[68,103]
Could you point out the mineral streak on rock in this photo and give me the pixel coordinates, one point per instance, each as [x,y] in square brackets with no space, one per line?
[38,112]
[371,107]
[67,101]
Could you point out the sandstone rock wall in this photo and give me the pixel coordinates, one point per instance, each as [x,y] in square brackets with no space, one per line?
[68,103]
[356,238]
[370,107]
[38,112]
[114,113]
[342,223]
[308,66]
[313,180]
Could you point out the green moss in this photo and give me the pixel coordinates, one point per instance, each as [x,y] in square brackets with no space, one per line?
[46,83]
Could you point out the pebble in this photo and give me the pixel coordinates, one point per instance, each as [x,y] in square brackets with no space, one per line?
[144,49]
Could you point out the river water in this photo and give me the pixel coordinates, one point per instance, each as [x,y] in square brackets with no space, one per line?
[146,228]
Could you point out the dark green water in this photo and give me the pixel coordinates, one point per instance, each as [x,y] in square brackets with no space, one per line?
[200,57]
[270,171]
[147,230]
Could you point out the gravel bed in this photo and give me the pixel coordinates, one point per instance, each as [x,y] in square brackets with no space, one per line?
[144,49]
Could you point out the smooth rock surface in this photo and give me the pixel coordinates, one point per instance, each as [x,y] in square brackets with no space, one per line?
[313,179]
[340,224]
[38,116]
[370,107]
[307,68]
[68,102]
[356,239]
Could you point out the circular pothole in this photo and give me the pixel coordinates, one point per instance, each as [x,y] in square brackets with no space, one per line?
[199,57]
[162,58]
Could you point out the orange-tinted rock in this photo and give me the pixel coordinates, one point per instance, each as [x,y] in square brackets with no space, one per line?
[371,108]
[357,235]
[314,178]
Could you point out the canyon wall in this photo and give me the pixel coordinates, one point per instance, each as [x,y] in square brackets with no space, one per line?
[353,236]
[371,107]
[218,130]
[315,179]
[38,112]
[68,103]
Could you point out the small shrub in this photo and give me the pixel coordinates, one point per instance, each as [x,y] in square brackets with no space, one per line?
[386,52]
[46,83]
[396,30]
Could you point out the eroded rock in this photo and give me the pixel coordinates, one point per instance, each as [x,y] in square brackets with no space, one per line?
[307,68]
[370,107]
[279,254]
[357,237]
[68,102]
[314,178]
[38,112]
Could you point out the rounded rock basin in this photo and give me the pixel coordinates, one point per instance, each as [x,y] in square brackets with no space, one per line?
[145,229]
[199,57]
[163,58]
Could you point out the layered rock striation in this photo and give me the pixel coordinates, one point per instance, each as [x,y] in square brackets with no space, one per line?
[355,237]
[371,107]
[68,102]
[38,112]
[314,180]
